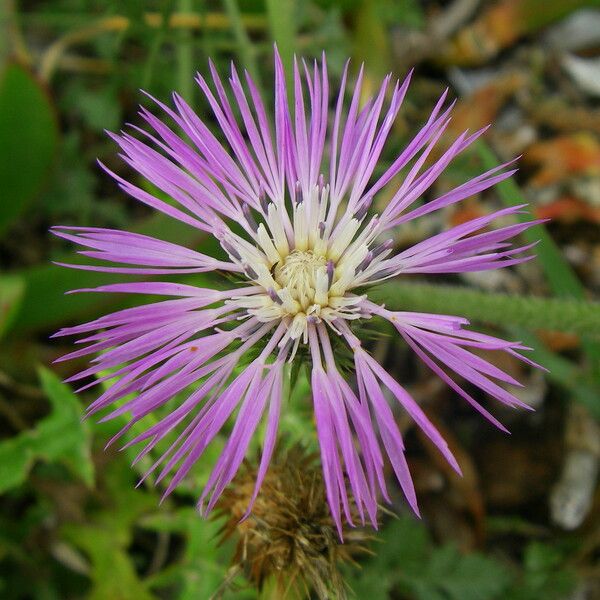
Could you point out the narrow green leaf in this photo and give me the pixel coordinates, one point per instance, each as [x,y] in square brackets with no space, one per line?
[282,24]
[531,18]
[246,48]
[562,279]
[185,57]
[44,305]
[562,371]
[560,275]
[28,140]
[371,39]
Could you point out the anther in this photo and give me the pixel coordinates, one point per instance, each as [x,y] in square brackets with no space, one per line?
[383,273]
[366,261]
[274,296]
[321,183]
[330,272]
[364,207]
[322,229]
[231,250]
[382,248]
[249,217]
[264,201]
[298,190]
[250,272]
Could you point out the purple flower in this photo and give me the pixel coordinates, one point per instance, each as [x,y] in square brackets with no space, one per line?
[290,204]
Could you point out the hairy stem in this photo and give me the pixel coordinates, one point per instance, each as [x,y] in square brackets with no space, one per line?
[532,312]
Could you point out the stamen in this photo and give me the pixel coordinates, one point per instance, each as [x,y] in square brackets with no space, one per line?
[264,201]
[249,217]
[298,190]
[362,210]
[387,245]
[274,296]
[366,261]
[250,272]
[330,272]
[231,250]
[321,183]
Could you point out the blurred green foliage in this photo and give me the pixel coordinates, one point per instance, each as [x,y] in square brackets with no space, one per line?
[408,561]
[60,437]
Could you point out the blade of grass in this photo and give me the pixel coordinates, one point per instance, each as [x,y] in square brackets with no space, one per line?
[561,278]
[246,49]
[185,57]
[282,24]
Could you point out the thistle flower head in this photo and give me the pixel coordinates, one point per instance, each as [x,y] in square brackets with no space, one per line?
[291,201]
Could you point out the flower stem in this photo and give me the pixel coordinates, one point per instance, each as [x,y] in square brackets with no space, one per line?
[557,314]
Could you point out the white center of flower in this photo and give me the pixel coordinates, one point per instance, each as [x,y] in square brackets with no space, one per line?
[305,265]
[302,272]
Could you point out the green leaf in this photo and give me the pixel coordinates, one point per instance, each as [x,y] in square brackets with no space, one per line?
[408,560]
[474,577]
[545,574]
[403,549]
[28,140]
[45,307]
[202,568]
[12,288]
[107,534]
[61,436]
[113,574]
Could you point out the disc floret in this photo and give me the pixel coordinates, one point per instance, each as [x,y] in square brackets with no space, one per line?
[306,265]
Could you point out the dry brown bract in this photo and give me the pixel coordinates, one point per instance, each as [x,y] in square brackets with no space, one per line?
[289,540]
